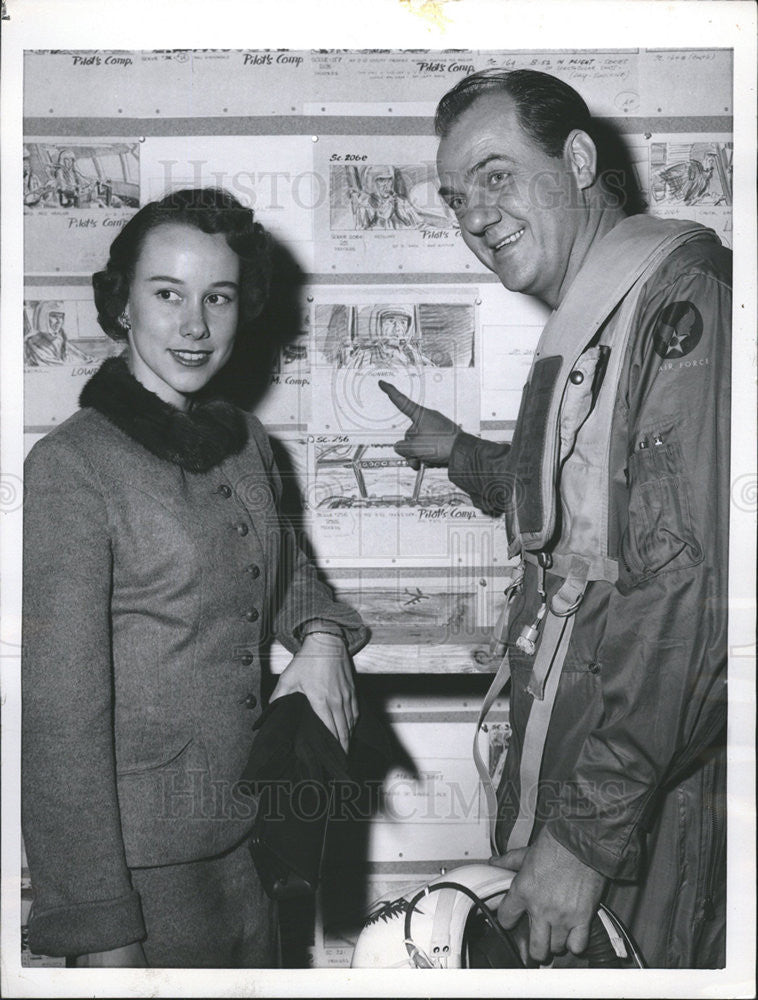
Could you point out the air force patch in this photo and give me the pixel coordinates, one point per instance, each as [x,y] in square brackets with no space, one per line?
[678,329]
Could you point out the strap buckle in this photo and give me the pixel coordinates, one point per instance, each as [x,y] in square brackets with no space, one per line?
[565,602]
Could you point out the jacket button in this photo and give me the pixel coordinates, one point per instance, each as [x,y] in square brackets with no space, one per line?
[252,615]
[576,377]
[224,491]
[253,570]
[594,667]
[251,701]
[242,528]
[247,659]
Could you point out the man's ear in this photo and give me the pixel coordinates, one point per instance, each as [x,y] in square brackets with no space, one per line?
[580,156]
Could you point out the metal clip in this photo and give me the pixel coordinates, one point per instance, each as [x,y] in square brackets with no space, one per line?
[527,641]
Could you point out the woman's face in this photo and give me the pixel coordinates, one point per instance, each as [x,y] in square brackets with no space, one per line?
[183,310]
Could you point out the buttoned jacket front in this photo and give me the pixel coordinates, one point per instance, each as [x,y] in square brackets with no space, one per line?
[150,592]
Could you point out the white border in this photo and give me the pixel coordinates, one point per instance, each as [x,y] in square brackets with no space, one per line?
[505,24]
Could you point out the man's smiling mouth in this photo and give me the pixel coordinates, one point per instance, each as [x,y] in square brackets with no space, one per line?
[513,238]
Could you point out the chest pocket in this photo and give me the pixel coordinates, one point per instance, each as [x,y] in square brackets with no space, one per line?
[579,396]
[659,536]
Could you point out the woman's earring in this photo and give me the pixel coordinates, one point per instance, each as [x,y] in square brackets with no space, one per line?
[123,321]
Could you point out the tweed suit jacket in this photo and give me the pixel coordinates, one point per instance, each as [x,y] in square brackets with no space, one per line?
[149,592]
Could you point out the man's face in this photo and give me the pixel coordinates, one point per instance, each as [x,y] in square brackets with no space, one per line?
[517,206]
[384,186]
[394,330]
[55,322]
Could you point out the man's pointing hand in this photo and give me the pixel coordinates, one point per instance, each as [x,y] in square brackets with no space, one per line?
[430,437]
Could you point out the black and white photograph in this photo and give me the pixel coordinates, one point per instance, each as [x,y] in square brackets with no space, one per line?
[378,498]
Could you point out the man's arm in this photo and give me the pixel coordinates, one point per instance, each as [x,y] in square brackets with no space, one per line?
[480,468]
[477,466]
[431,435]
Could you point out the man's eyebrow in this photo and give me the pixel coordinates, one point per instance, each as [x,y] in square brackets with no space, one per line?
[483,163]
[446,192]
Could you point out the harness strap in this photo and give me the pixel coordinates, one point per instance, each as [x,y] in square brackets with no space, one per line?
[568,598]
[501,678]
[439,945]
[562,605]
[550,659]
[600,568]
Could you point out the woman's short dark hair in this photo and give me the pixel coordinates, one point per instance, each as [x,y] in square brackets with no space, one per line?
[547,109]
[212,210]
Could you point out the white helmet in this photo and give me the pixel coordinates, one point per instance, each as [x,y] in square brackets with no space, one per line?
[425,928]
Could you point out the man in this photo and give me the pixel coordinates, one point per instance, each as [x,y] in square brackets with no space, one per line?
[395,342]
[32,193]
[616,492]
[70,183]
[378,205]
[48,344]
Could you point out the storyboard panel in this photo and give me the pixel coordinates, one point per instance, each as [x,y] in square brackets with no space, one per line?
[423,341]
[687,176]
[63,347]
[78,193]
[381,211]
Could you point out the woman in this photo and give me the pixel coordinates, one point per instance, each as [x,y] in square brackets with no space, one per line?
[155,567]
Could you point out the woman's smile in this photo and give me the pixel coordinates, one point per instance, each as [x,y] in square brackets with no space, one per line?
[191,359]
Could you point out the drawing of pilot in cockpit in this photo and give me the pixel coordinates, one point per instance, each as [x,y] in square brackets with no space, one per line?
[47,343]
[72,185]
[394,342]
[377,204]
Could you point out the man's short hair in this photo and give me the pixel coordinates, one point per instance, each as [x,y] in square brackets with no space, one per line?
[547,109]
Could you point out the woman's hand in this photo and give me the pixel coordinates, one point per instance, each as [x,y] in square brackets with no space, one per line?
[130,956]
[322,671]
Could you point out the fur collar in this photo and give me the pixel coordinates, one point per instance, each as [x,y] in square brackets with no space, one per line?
[196,440]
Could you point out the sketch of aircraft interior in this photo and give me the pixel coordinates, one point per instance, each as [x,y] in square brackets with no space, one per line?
[385,335]
[375,197]
[372,475]
[81,175]
[698,173]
